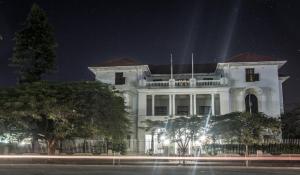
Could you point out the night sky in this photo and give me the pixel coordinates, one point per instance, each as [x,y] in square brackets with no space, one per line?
[89,32]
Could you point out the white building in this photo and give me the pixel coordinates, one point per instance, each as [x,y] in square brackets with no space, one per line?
[245,82]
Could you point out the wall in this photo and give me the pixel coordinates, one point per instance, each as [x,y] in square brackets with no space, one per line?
[267,88]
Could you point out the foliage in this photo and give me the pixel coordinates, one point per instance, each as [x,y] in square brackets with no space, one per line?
[272,148]
[34,51]
[57,111]
[243,127]
[119,146]
[291,124]
[181,130]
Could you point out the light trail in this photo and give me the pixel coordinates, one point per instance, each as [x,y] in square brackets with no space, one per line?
[237,158]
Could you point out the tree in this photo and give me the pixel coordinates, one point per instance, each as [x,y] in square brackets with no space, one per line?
[58,111]
[102,106]
[243,127]
[34,51]
[181,130]
[291,124]
[36,110]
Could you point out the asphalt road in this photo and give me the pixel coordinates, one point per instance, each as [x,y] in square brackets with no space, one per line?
[139,170]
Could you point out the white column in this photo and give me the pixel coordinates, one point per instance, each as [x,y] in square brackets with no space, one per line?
[170,104]
[191,104]
[213,104]
[173,104]
[142,104]
[225,103]
[153,105]
[194,108]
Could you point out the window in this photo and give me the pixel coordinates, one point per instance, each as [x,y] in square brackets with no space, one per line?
[203,103]
[251,103]
[149,105]
[161,105]
[182,104]
[182,110]
[204,110]
[161,110]
[119,79]
[251,76]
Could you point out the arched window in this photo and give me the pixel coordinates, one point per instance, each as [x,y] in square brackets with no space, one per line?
[251,103]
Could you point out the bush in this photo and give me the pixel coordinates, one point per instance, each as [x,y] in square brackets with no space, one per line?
[119,147]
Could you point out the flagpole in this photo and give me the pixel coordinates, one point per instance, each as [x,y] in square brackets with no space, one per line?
[192,65]
[171,66]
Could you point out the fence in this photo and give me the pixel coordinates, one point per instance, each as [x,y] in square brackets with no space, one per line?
[67,147]
[285,146]
[98,147]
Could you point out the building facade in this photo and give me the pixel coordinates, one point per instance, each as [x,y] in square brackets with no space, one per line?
[246,82]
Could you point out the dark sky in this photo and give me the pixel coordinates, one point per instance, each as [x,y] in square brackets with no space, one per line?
[89,32]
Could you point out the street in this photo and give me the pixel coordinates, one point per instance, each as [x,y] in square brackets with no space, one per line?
[138,170]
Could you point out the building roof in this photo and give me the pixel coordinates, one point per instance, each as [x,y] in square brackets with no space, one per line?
[182,68]
[119,62]
[185,68]
[161,69]
[250,57]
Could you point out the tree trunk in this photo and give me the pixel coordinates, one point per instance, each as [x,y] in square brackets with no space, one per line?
[51,146]
[34,144]
[84,146]
[246,150]
[183,153]
[246,154]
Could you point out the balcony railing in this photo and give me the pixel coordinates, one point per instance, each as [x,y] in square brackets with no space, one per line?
[157,83]
[208,83]
[183,83]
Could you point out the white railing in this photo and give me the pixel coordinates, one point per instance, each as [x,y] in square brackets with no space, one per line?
[201,83]
[157,83]
[184,83]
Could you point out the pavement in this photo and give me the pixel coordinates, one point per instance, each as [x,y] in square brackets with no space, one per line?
[38,169]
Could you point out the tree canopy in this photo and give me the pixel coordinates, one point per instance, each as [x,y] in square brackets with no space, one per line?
[243,127]
[34,50]
[179,130]
[291,124]
[57,111]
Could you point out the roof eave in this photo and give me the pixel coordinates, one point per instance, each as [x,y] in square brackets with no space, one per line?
[104,68]
[283,78]
[279,63]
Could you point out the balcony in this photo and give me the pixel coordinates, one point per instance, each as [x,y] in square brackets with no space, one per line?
[184,83]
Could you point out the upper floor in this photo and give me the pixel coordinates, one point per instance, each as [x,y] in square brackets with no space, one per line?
[240,71]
